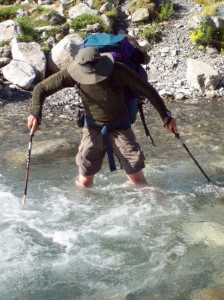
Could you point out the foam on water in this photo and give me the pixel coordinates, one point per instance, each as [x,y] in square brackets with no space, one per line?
[89,239]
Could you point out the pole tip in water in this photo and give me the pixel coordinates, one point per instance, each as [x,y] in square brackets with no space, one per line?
[24,201]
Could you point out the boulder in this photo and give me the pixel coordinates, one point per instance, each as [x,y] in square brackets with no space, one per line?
[33,55]
[215,22]
[20,73]
[9,30]
[64,52]
[42,151]
[54,18]
[195,21]
[81,9]
[201,76]
[140,15]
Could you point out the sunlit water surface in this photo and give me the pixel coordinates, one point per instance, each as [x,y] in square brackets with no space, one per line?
[114,241]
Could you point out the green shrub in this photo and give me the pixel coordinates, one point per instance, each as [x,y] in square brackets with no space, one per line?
[83,20]
[113,15]
[207,36]
[57,29]
[29,33]
[98,3]
[46,50]
[152,33]
[166,10]
[7,13]
[4,43]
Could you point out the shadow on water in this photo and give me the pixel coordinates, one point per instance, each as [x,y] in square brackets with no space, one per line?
[115,241]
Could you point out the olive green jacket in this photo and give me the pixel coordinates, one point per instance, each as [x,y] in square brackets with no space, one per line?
[103,101]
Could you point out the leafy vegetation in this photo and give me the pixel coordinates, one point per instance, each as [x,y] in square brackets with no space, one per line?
[113,15]
[98,3]
[83,20]
[166,10]
[87,19]
[4,43]
[7,13]
[29,34]
[208,36]
[152,33]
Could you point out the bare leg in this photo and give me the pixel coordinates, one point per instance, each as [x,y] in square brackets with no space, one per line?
[137,178]
[84,181]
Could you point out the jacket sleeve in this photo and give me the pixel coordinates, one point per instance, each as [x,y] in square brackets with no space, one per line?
[47,87]
[135,82]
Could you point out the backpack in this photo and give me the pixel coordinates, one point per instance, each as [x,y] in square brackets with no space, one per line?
[124,49]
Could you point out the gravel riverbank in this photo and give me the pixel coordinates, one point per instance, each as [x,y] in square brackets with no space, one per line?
[167,71]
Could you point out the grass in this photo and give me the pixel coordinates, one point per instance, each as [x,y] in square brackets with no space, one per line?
[113,15]
[29,33]
[86,19]
[7,13]
[83,20]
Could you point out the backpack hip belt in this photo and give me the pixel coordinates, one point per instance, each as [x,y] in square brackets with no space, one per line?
[123,123]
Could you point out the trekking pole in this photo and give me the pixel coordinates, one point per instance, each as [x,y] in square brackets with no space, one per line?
[177,135]
[27,169]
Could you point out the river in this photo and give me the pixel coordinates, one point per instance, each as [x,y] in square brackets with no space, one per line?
[114,241]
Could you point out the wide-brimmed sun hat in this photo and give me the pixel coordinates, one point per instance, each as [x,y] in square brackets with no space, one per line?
[90,66]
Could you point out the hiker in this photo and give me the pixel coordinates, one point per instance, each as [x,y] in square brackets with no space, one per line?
[101,81]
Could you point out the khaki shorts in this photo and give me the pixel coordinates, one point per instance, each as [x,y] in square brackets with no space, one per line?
[92,151]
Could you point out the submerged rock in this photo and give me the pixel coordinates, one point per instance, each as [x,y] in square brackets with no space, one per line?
[207,294]
[42,151]
[219,278]
[205,232]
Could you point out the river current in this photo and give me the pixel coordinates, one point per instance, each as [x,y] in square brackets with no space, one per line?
[114,241]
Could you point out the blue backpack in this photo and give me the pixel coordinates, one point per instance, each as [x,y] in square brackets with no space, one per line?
[123,51]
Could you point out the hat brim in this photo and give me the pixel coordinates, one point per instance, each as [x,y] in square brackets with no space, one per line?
[103,69]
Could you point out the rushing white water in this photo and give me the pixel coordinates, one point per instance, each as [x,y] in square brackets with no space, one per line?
[114,241]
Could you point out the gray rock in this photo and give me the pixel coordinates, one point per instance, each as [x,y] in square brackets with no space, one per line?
[140,15]
[215,22]
[202,76]
[42,151]
[20,73]
[64,52]
[33,55]
[9,30]
[80,9]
